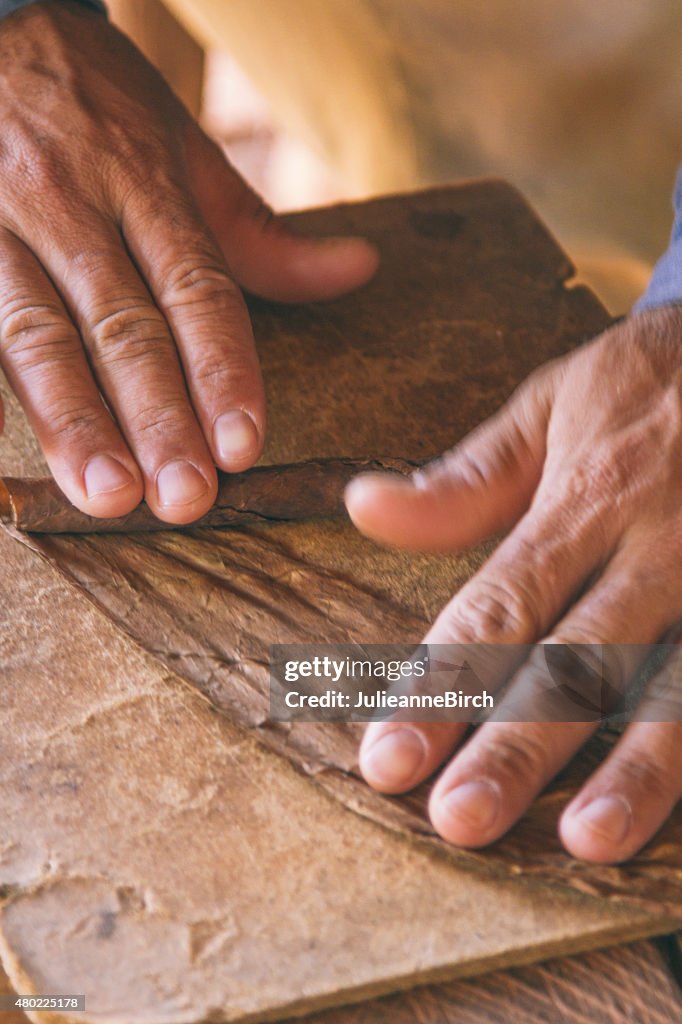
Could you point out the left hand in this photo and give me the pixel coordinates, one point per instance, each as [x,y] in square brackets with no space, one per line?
[125,236]
[584,463]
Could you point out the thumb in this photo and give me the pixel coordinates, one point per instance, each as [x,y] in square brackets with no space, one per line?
[265,255]
[481,486]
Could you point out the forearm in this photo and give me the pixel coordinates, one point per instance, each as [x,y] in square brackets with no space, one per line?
[665,286]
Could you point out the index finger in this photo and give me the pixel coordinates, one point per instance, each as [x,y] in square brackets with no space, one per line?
[191,284]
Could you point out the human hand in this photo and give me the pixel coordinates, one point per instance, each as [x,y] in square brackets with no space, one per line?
[124,234]
[584,463]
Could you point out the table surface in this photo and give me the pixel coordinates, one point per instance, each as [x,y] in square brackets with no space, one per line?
[129,712]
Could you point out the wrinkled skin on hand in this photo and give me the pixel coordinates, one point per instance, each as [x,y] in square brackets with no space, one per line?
[583,466]
[124,238]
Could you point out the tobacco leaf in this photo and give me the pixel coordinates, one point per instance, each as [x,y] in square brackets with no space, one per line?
[208,605]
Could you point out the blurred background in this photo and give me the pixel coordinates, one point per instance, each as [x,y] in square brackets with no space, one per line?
[287,169]
[578,104]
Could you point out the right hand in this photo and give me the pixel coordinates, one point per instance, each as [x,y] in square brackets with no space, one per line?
[122,330]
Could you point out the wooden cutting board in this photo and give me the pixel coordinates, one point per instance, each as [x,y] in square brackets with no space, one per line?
[164,847]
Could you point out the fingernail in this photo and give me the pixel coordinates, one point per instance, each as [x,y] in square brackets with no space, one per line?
[608,816]
[394,760]
[476,803]
[104,474]
[235,437]
[180,483]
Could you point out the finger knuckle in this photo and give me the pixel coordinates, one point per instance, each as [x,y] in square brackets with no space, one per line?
[43,168]
[166,416]
[231,369]
[34,333]
[46,190]
[200,281]
[493,611]
[147,193]
[607,475]
[211,373]
[71,424]
[128,333]
[595,486]
[142,168]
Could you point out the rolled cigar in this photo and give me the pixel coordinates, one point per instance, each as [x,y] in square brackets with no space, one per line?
[299,490]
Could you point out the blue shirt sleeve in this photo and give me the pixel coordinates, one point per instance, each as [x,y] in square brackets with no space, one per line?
[8,6]
[665,286]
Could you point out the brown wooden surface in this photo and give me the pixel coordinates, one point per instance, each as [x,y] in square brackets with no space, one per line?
[147,836]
